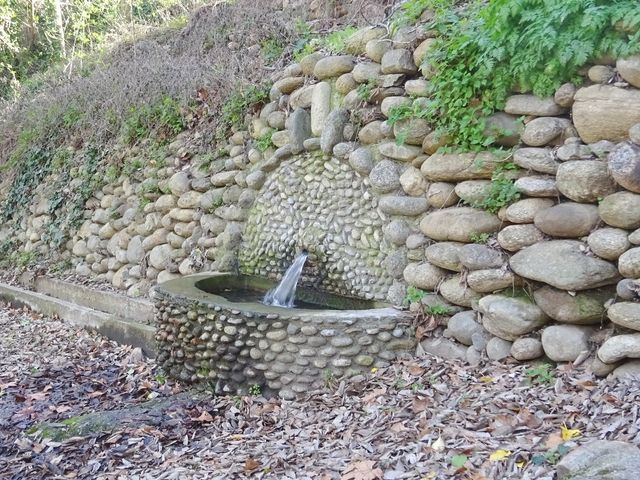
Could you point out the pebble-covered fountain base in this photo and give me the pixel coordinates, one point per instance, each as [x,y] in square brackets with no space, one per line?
[209,328]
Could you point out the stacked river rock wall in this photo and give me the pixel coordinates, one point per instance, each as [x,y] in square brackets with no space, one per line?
[555,272]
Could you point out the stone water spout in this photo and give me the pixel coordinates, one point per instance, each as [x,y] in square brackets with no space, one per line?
[284,294]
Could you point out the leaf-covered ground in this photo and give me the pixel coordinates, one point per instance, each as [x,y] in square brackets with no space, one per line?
[419,419]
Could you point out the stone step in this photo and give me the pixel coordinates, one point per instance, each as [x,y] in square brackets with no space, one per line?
[127,308]
[116,328]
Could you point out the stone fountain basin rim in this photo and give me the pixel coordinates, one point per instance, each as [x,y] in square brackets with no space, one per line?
[184,290]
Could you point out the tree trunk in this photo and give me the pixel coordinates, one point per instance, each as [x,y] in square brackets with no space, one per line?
[60,25]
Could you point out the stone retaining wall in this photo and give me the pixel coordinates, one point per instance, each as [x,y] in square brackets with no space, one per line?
[554,273]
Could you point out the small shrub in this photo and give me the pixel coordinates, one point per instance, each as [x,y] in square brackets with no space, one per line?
[239,103]
[502,191]
[414,295]
[482,238]
[335,41]
[272,49]
[365,90]
[255,390]
[24,259]
[265,142]
[541,374]
[437,310]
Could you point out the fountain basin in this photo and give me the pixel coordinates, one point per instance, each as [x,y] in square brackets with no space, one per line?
[210,327]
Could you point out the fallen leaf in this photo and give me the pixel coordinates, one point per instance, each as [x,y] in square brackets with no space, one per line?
[420,404]
[458,461]
[204,417]
[370,397]
[361,470]
[251,464]
[438,445]
[499,455]
[553,440]
[568,433]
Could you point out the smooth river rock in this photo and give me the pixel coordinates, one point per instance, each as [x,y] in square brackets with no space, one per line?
[621,209]
[492,279]
[537,159]
[445,255]
[456,167]
[584,180]
[625,314]
[569,220]
[423,275]
[605,112]
[601,460]
[525,210]
[620,346]
[516,237]
[458,224]
[629,263]
[527,104]
[609,243]
[581,308]
[564,343]
[510,317]
[624,165]
[564,265]
[408,206]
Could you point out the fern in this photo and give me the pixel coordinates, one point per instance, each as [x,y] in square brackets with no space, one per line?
[485,50]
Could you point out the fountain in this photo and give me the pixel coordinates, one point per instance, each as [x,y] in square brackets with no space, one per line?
[222,328]
[284,294]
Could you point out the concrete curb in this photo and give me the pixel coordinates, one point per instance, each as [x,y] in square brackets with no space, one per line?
[136,309]
[117,329]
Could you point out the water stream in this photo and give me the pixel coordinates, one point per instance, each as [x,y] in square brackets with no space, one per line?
[284,294]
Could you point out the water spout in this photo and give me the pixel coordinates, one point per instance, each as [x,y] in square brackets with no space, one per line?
[284,294]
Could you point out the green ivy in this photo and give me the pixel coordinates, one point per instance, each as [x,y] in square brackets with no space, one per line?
[35,165]
[66,205]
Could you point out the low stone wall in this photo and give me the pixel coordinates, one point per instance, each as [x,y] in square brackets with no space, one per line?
[204,337]
[554,273]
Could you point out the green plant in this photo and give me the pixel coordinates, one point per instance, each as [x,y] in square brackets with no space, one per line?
[437,310]
[272,49]
[265,142]
[552,456]
[542,374]
[61,266]
[410,11]
[255,390]
[164,117]
[329,379]
[34,167]
[24,259]
[414,295]
[482,238]
[161,378]
[416,387]
[400,112]
[111,174]
[485,49]
[335,41]
[458,461]
[502,190]
[240,102]
[365,90]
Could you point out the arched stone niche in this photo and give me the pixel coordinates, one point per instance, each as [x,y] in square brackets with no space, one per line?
[320,204]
